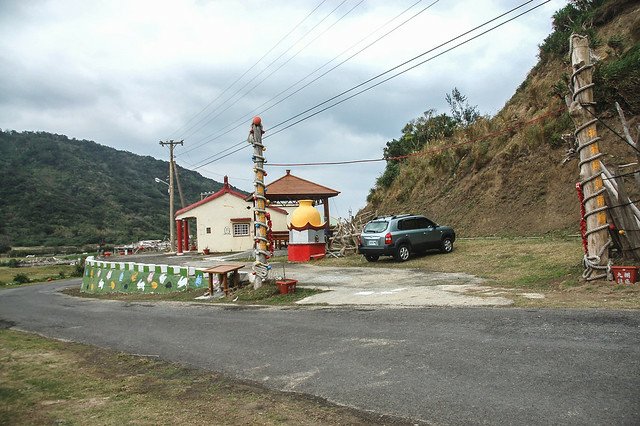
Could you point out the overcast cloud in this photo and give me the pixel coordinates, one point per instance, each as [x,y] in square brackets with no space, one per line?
[130,73]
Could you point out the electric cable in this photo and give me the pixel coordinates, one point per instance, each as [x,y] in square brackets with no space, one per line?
[394,75]
[382,74]
[261,72]
[612,130]
[430,150]
[248,69]
[240,121]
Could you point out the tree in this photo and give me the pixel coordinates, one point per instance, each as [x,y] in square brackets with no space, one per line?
[463,114]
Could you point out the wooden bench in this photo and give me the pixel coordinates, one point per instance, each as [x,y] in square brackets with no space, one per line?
[221,271]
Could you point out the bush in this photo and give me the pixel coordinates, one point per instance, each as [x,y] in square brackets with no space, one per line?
[13,263]
[21,279]
[79,269]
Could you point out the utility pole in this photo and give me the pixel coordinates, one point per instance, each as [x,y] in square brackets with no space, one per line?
[172,223]
[175,169]
[261,266]
[582,111]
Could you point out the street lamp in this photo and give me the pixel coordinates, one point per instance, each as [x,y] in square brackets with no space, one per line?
[161,181]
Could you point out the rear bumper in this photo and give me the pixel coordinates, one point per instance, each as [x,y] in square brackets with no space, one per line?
[387,250]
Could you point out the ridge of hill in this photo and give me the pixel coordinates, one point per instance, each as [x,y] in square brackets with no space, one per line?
[58,191]
[515,182]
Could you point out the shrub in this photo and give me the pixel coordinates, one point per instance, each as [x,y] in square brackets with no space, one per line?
[79,269]
[21,279]
[13,263]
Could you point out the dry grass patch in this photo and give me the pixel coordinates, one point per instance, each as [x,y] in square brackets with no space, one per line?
[551,266]
[45,381]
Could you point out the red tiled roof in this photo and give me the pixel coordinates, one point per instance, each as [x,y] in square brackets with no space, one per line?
[226,189]
[290,187]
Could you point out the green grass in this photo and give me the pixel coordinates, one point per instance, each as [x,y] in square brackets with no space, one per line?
[533,263]
[35,273]
[45,381]
[550,265]
[266,295]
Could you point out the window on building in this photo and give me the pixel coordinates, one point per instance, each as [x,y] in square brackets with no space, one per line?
[240,229]
[208,230]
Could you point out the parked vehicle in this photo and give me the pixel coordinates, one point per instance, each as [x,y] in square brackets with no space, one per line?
[401,235]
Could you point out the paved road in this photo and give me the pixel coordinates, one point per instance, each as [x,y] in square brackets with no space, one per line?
[438,365]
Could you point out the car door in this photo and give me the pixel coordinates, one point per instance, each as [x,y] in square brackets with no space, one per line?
[431,235]
[410,230]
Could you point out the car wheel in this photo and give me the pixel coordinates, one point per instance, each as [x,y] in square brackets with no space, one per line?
[447,245]
[402,253]
[372,257]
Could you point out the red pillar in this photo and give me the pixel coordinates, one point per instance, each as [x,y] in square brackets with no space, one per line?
[179,235]
[186,234]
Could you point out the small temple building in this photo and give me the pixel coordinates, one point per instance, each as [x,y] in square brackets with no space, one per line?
[225,220]
[287,191]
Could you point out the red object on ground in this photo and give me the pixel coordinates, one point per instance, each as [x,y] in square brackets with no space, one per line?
[107,253]
[286,286]
[625,274]
[303,252]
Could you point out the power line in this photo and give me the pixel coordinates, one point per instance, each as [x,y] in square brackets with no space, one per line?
[612,130]
[419,56]
[261,72]
[240,121]
[250,68]
[384,73]
[429,150]
[622,175]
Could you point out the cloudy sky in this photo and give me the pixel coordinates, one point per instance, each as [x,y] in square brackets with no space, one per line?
[128,74]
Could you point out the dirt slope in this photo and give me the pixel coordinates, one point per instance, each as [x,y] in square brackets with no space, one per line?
[516,182]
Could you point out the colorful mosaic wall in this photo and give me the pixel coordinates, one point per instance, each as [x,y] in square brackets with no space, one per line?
[129,277]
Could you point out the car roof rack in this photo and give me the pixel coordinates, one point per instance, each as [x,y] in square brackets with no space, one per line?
[400,215]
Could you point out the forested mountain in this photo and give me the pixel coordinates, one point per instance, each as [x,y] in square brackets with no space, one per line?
[60,191]
[515,173]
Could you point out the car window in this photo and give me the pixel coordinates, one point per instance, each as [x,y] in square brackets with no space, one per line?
[423,223]
[407,224]
[374,227]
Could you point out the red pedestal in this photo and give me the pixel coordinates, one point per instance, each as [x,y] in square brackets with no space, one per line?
[304,252]
[185,234]
[179,236]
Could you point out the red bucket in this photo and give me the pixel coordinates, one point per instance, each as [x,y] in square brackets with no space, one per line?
[624,274]
[286,286]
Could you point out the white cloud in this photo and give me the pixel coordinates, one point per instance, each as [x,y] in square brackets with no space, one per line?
[129,73]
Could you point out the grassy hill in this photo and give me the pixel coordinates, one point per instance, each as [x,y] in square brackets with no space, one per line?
[61,191]
[505,175]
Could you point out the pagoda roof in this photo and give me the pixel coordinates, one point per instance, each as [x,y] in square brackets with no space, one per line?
[290,187]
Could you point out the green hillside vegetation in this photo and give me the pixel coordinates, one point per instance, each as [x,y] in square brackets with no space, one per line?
[58,191]
[505,175]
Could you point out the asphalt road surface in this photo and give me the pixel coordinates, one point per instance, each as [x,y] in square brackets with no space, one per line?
[436,365]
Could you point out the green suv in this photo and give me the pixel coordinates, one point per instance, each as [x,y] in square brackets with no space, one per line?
[401,235]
